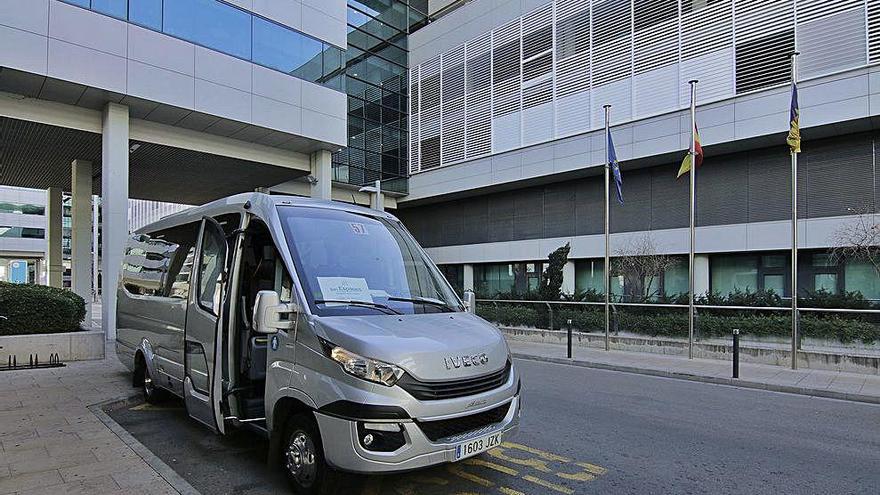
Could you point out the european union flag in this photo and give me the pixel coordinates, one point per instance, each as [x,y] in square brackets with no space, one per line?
[615,169]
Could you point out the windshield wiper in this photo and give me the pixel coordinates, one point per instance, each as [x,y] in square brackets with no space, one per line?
[367,304]
[423,300]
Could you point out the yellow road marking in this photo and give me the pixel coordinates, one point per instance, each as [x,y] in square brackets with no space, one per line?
[597,470]
[461,473]
[540,453]
[509,491]
[538,464]
[547,484]
[473,461]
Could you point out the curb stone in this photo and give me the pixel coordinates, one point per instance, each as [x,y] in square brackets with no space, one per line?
[827,394]
[164,470]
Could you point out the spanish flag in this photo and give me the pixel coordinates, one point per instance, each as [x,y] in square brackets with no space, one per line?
[794,131]
[698,150]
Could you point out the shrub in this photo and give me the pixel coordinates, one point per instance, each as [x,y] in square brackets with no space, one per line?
[673,322]
[31,309]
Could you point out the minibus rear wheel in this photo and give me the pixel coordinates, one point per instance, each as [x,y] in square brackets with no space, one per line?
[152,393]
[302,458]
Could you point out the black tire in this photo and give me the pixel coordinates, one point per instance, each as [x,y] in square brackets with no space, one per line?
[152,393]
[303,462]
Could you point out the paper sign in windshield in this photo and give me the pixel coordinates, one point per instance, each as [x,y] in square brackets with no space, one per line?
[359,228]
[344,289]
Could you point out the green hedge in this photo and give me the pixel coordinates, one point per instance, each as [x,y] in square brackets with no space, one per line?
[673,322]
[34,309]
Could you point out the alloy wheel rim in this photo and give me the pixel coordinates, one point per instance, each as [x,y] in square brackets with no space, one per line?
[300,458]
[148,385]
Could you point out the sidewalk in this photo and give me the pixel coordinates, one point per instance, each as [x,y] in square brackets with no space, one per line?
[819,383]
[50,442]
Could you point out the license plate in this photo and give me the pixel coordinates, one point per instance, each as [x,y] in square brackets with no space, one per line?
[477,446]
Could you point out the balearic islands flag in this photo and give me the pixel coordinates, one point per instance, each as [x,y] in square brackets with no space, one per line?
[698,149]
[615,169]
[794,131]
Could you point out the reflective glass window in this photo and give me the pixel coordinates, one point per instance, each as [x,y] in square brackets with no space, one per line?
[147,13]
[862,277]
[81,3]
[288,51]
[113,8]
[211,24]
[731,273]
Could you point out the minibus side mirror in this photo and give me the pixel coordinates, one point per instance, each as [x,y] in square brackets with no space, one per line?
[470,301]
[270,315]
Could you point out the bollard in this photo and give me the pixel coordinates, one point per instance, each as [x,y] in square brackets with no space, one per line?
[736,352]
[569,339]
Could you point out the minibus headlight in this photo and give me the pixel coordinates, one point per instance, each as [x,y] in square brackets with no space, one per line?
[366,368]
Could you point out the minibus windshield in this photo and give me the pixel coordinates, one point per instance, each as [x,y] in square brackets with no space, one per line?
[352,264]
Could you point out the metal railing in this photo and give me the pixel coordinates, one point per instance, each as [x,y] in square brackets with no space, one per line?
[615,307]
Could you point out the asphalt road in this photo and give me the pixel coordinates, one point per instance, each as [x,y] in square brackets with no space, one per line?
[590,431]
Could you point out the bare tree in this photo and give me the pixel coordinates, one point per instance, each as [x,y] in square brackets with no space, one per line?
[640,265]
[858,239]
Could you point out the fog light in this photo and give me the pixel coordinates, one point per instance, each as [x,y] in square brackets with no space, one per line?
[368,439]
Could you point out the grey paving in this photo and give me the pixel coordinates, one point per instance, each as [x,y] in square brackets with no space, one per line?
[820,383]
[50,442]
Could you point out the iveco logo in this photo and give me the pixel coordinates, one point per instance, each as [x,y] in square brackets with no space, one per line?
[466,361]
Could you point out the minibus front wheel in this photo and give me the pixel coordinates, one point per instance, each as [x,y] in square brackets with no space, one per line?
[302,458]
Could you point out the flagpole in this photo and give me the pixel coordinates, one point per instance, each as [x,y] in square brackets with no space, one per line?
[794,238]
[693,187]
[607,265]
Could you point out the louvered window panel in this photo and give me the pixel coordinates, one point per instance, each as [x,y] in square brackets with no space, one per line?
[707,30]
[648,13]
[537,31]
[453,87]
[573,94]
[611,20]
[714,70]
[618,94]
[756,19]
[478,114]
[764,61]
[612,41]
[656,46]
[478,99]
[430,84]
[874,30]
[413,123]
[572,28]
[414,143]
[832,43]
[538,112]
[810,10]
[506,87]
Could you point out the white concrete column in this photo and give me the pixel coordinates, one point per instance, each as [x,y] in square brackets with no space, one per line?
[54,235]
[568,278]
[701,274]
[322,174]
[114,214]
[81,232]
[468,277]
[96,260]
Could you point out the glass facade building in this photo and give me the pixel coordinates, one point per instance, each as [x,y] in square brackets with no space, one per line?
[228,29]
[376,82]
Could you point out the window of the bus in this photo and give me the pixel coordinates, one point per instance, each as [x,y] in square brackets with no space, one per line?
[353,264]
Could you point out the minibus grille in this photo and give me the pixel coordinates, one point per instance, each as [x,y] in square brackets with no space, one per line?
[454,388]
[449,429]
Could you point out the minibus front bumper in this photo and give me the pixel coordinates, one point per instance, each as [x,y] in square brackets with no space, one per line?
[343,447]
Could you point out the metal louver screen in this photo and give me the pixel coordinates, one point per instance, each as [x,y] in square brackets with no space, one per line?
[548,73]
[874,30]
[764,62]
